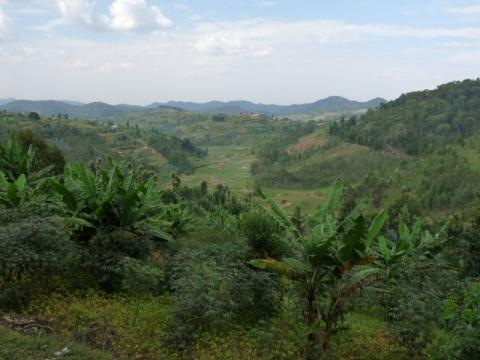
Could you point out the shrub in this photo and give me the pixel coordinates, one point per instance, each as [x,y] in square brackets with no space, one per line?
[104,256]
[262,234]
[463,318]
[213,286]
[32,251]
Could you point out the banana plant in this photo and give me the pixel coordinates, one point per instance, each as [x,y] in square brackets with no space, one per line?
[15,162]
[111,200]
[409,240]
[331,262]
[12,194]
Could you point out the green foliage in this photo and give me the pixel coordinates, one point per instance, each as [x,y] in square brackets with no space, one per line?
[179,153]
[418,121]
[263,234]
[181,218]
[140,277]
[463,318]
[15,162]
[33,246]
[332,262]
[213,287]
[14,194]
[419,277]
[46,155]
[111,200]
[32,251]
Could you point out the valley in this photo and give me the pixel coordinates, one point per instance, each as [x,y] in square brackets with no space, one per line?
[175,220]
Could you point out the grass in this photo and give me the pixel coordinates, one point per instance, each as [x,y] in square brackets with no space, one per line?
[16,346]
[229,165]
[110,323]
[106,323]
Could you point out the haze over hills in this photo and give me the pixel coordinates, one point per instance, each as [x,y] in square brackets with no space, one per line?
[329,104]
[6,101]
[102,110]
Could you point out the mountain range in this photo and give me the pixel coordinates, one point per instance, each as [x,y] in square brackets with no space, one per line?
[97,110]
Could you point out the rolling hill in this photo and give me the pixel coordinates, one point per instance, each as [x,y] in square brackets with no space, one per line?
[101,110]
[330,104]
[93,110]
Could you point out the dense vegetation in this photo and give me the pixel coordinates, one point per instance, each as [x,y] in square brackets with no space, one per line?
[113,244]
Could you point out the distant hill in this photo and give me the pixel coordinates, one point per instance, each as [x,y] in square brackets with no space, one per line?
[75,110]
[97,110]
[330,104]
[6,101]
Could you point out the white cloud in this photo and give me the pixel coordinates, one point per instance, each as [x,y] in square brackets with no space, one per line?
[465,10]
[311,61]
[78,11]
[133,15]
[123,15]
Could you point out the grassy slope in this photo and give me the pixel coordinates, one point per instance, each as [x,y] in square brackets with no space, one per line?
[367,335]
[16,346]
[229,165]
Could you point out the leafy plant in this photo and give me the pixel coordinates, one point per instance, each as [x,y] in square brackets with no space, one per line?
[111,200]
[15,162]
[32,251]
[140,278]
[12,194]
[463,318]
[262,234]
[330,263]
[213,287]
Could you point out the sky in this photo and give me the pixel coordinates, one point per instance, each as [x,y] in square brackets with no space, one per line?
[269,51]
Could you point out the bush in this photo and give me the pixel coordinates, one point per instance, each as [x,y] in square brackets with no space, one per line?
[262,234]
[213,287]
[413,298]
[463,318]
[32,251]
[104,256]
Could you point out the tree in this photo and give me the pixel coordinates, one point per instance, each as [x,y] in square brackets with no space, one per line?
[330,263]
[34,116]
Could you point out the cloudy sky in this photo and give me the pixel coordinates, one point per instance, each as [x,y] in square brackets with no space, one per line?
[271,51]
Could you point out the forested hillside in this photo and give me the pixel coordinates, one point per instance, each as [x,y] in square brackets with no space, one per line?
[420,151]
[419,122]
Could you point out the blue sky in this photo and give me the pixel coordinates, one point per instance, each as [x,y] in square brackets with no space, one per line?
[271,51]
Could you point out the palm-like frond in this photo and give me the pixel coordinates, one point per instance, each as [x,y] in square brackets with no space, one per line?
[111,199]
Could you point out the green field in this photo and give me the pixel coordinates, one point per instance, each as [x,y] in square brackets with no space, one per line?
[228,165]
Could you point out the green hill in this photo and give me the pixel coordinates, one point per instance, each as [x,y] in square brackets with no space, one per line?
[421,151]
[86,141]
[417,122]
